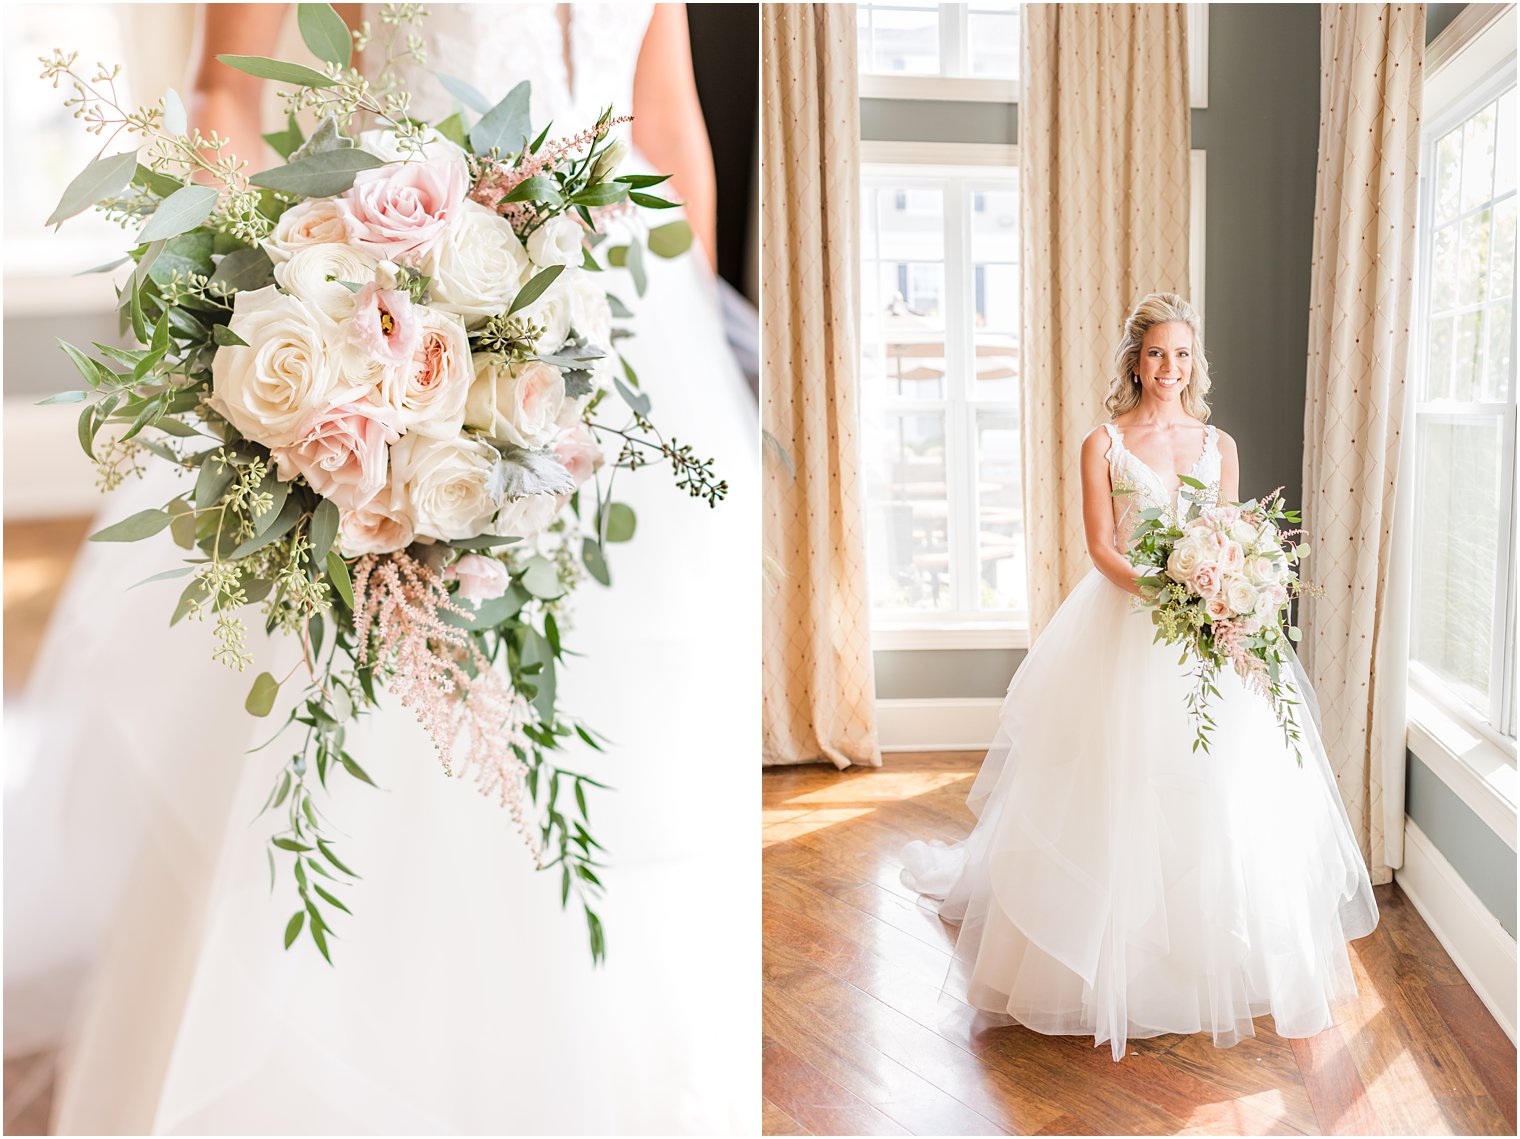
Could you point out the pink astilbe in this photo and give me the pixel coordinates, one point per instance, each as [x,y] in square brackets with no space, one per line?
[398,602]
[1231,636]
[497,181]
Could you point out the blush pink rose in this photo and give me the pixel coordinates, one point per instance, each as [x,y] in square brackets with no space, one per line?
[343,453]
[1218,608]
[1231,556]
[578,452]
[429,393]
[480,578]
[402,210]
[1206,580]
[380,526]
[385,325]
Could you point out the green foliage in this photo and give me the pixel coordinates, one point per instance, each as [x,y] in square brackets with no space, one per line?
[278,70]
[505,127]
[325,33]
[318,175]
[101,179]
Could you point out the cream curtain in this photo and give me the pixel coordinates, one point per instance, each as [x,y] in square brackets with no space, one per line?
[1104,136]
[1366,193]
[819,685]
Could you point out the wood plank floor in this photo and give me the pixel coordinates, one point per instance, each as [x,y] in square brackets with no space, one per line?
[859,1039]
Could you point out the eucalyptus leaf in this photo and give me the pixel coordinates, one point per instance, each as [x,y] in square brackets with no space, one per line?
[242,272]
[483,542]
[278,492]
[325,33]
[319,176]
[638,401]
[535,288]
[103,178]
[261,696]
[167,575]
[65,397]
[277,69]
[671,239]
[536,650]
[596,563]
[337,573]
[453,129]
[489,614]
[286,142]
[283,523]
[462,91]
[184,209]
[143,524]
[636,268]
[504,128]
[106,268]
[621,522]
[213,480]
[541,578]
[324,528]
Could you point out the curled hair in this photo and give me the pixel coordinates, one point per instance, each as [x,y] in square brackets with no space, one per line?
[1154,309]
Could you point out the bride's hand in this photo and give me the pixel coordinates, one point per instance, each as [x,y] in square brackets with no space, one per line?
[225,100]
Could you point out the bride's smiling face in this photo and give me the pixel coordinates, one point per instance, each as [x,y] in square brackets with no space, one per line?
[1166,360]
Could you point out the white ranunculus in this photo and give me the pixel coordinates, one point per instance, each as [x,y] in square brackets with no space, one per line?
[528,516]
[1240,594]
[478,267]
[551,312]
[314,273]
[316,221]
[448,485]
[288,370]
[382,143]
[518,404]
[556,242]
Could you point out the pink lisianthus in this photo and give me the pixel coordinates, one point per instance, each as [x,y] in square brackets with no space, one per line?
[578,452]
[343,452]
[480,578]
[385,325]
[402,209]
[1206,580]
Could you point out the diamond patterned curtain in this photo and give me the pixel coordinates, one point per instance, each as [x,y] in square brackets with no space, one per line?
[1366,197]
[1104,136]
[819,683]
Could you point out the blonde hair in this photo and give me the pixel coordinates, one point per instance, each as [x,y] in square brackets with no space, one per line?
[1154,309]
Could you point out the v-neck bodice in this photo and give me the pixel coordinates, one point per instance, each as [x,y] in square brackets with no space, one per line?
[1142,488]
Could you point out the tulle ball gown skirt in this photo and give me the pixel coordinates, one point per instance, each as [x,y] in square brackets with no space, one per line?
[1119,884]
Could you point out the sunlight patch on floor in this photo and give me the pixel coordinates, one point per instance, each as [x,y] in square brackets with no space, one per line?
[783,826]
[880,787]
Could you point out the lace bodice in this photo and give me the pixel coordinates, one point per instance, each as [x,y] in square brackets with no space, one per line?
[493,47]
[1146,488]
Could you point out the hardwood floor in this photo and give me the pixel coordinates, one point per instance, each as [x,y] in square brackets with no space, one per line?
[860,1040]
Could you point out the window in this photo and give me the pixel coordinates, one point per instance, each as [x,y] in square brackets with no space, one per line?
[978,40]
[939,379]
[1462,644]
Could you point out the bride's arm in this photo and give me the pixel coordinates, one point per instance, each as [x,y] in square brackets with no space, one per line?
[222,99]
[1098,513]
[667,121]
[1229,470]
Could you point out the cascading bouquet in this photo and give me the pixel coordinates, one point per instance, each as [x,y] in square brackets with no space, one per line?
[391,367]
[1219,582]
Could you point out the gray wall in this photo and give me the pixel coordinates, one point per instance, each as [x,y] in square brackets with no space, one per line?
[1475,852]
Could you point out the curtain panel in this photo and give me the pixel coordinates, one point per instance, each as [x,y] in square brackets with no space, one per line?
[819,682]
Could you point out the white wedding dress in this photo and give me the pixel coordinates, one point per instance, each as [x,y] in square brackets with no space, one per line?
[1119,885]
[463,999]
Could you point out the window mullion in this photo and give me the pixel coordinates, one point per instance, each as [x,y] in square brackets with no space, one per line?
[952,39]
[958,358]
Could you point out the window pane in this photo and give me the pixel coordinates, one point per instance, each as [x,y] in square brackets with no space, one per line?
[997,368]
[1500,319]
[1448,174]
[903,291]
[1000,522]
[1438,369]
[1501,276]
[1457,521]
[904,40]
[908,510]
[1504,158]
[1468,359]
[1478,158]
[1443,270]
[993,43]
[1472,281]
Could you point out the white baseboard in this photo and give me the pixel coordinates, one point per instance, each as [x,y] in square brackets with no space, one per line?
[46,472]
[1478,944]
[949,724]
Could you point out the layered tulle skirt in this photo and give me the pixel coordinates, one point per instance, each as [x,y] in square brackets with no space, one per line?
[1121,884]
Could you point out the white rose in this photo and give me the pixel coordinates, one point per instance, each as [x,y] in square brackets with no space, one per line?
[1183,561]
[314,273]
[1243,532]
[556,242]
[1241,596]
[383,144]
[590,314]
[381,526]
[551,312]
[518,405]
[429,395]
[527,516]
[478,267]
[288,370]
[1269,601]
[316,221]
[448,485]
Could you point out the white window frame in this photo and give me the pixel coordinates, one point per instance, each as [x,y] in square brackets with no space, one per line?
[959,88]
[1467,66]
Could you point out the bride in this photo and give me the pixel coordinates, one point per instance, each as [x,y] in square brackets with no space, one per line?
[463,999]
[1116,883]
